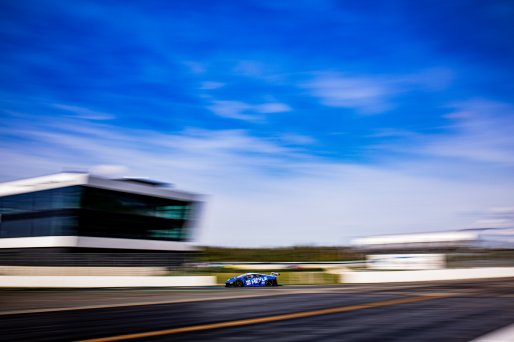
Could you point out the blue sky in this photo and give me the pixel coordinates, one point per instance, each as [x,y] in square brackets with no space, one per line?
[304,122]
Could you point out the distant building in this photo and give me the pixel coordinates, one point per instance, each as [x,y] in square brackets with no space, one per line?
[444,240]
[81,219]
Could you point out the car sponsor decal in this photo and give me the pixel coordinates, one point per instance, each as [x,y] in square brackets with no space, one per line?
[256,281]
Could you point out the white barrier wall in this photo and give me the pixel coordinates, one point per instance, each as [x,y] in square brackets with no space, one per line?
[405,261]
[81,271]
[104,281]
[426,275]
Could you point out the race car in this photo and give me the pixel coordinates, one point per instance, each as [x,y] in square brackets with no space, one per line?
[253,280]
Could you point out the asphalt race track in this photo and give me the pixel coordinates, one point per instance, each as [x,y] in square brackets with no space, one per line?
[450,311]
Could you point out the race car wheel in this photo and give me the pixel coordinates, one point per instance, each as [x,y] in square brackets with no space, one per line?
[238,283]
[269,283]
[275,283]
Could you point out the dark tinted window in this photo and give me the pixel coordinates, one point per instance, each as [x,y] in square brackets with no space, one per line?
[43,226]
[121,202]
[124,215]
[61,198]
[96,212]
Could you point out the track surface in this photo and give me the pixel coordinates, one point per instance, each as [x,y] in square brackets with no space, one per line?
[456,311]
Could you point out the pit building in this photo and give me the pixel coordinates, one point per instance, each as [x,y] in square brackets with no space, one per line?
[78,219]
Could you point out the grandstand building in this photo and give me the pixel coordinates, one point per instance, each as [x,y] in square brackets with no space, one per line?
[442,240]
[78,219]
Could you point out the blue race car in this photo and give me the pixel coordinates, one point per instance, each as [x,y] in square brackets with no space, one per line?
[253,280]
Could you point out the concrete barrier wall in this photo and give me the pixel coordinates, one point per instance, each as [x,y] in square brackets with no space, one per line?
[292,265]
[104,281]
[426,275]
[81,271]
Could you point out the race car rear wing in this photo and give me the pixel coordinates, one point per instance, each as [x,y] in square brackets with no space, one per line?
[275,273]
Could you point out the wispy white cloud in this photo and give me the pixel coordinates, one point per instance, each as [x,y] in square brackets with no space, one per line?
[84,113]
[258,70]
[297,139]
[373,94]
[433,79]
[272,107]
[210,85]
[250,68]
[262,191]
[195,67]
[392,132]
[233,110]
[245,111]
[480,131]
[368,95]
